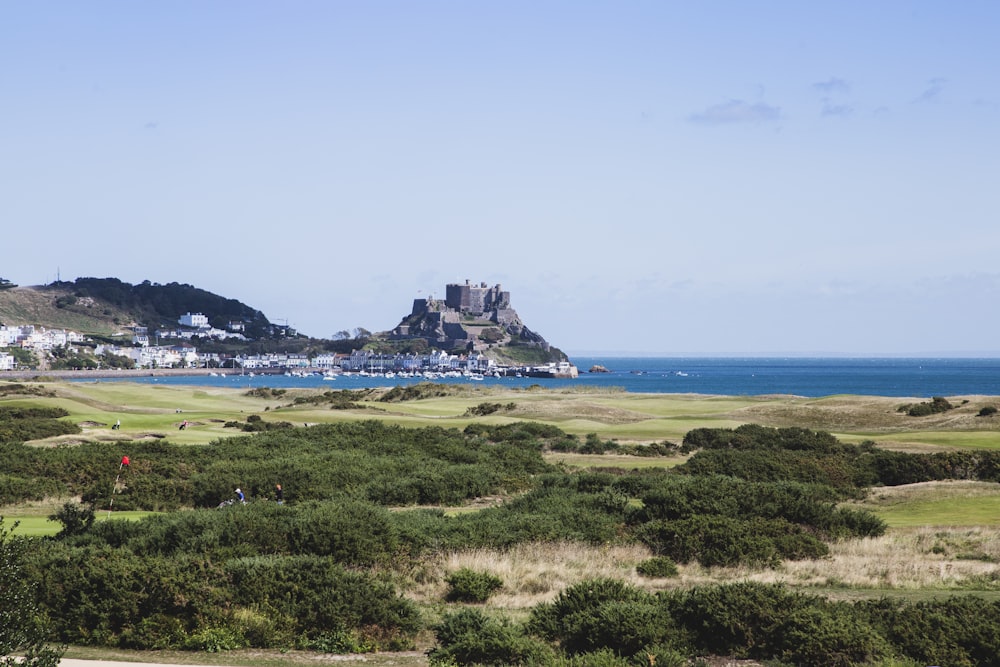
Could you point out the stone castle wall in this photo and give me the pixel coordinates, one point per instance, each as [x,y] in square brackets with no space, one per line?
[476,300]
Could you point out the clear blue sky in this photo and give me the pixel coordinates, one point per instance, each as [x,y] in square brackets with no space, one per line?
[674,178]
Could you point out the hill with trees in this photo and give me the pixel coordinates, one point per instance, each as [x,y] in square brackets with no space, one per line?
[103,306]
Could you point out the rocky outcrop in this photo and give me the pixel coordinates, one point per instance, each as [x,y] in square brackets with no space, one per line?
[474,318]
[597,368]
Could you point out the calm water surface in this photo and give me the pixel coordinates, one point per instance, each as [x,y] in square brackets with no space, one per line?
[726,376]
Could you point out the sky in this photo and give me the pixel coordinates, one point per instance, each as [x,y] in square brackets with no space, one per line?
[718,178]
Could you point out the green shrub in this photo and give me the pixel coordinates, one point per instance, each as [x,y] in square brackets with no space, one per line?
[736,619]
[214,640]
[602,613]
[19,424]
[339,641]
[322,597]
[75,518]
[712,541]
[959,631]
[657,566]
[467,585]
[469,637]
[832,635]
[936,405]
[987,411]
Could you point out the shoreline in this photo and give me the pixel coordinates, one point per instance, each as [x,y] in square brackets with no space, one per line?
[41,376]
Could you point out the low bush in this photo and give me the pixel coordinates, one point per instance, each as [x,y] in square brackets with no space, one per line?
[467,585]
[736,619]
[960,631]
[23,424]
[469,637]
[829,634]
[936,405]
[601,613]
[658,567]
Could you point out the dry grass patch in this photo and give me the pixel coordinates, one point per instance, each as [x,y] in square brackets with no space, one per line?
[533,573]
[928,558]
[922,559]
[560,410]
[871,414]
[835,413]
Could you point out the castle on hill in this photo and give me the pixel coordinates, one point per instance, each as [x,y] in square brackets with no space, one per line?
[476,318]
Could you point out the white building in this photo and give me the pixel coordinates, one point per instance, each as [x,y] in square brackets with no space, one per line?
[195,320]
[7,362]
[327,360]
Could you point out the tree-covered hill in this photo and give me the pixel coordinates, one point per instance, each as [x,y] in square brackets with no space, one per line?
[105,305]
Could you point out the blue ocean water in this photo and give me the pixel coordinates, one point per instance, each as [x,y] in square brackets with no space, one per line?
[751,376]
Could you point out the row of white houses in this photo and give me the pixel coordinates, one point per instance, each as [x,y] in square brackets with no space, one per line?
[37,338]
[185,355]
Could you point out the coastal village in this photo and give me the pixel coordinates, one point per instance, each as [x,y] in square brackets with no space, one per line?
[457,322]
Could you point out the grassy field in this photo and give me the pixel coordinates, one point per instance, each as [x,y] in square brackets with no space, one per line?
[156,411]
[944,537]
[33,525]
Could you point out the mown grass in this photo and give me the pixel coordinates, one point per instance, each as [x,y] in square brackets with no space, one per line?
[155,411]
[957,503]
[33,525]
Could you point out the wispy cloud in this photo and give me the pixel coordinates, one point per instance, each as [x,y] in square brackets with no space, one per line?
[832,109]
[736,111]
[832,86]
[933,91]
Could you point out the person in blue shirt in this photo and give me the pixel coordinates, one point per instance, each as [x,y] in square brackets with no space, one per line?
[240,496]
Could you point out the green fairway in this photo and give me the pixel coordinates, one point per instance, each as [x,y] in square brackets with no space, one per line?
[34,526]
[969,511]
[151,412]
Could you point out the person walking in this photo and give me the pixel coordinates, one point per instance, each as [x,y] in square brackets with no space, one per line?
[279,494]
[240,497]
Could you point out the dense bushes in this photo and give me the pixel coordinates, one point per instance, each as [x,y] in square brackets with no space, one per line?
[726,541]
[350,532]
[956,631]
[114,597]
[384,464]
[602,617]
[23,424]
[718,520]
[762,454]
[754,436]
[304,574]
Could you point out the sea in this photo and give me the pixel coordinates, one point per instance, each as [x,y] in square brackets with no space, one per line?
[728,376]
